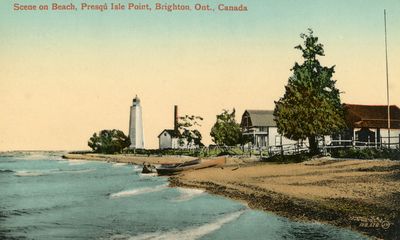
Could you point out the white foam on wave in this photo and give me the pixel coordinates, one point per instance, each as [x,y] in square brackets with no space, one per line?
[25,173]
[77,162]
[190,233]
[147,175]
[28,174]
[187,194]
[77,171]
[138,191]
[119,164]
[137,167]
[37,156]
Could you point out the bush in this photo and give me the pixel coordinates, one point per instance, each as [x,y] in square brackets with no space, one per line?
[296,158]
[198,152]
[109,141]
[367,153]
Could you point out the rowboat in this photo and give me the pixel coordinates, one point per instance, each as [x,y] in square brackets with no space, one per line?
[148,168]
[172,169]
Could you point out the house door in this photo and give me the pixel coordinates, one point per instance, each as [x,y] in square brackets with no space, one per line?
[365,135]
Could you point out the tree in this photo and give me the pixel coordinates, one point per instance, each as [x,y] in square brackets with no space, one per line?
[226,131]
[109,141]
[311,104]
[188,134]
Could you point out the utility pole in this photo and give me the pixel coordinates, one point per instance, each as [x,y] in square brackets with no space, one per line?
[387,81]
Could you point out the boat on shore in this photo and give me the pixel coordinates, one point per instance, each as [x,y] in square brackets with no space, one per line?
[148,168]
[172,169]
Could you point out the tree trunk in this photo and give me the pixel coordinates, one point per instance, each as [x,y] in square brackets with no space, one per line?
[312,140]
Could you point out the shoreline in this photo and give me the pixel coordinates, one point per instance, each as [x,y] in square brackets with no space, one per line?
[308,191]
[128,158]
[376,214]
[281,205]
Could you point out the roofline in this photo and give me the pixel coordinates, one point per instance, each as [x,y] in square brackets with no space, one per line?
[258,110]
[370,105]
[164,131]
[380,119]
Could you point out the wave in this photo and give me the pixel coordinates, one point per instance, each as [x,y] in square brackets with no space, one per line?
[189,233]
[6,171]
[35,155]
[138,191]
[77,162]
[119,164]
[29,174]
[25,173]
[77,171]
[29,211]
[145,176]
[187,194]
[137,167]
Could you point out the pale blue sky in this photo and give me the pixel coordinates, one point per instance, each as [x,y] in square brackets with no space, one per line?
[69,74]
[271,20]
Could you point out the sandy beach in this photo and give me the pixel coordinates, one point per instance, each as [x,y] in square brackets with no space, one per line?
[358,194]
[362,195]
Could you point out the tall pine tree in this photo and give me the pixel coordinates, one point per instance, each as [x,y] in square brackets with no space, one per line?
[311,105]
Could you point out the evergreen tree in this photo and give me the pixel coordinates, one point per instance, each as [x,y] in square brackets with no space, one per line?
[311,105]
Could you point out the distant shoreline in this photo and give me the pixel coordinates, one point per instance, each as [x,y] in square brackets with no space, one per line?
[128,158]
[356,194]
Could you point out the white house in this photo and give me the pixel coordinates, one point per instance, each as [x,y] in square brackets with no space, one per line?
[168,139]
[367,125]
[261,126]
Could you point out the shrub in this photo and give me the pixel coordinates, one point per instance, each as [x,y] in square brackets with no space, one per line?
[296,158]
[109,141]
[367,153]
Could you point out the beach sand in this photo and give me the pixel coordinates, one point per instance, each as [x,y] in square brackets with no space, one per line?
[362,195]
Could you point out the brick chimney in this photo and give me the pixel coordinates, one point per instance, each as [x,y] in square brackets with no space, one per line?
[176,118]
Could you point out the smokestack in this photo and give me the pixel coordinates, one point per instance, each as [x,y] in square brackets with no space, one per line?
[176,118]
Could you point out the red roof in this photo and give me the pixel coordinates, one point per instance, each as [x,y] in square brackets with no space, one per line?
[371,116]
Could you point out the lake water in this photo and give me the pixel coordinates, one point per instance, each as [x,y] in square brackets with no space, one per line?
[45,197]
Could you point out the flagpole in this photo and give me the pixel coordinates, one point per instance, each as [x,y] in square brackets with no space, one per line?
[387,80]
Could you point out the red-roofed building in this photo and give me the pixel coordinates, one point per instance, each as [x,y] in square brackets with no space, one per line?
[369,123]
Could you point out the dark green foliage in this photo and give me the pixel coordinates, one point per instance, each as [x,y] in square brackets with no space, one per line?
[296,158]
[226,131]
[311,105]
[109,141]
[197,152]
[80,152]
[188,134]
[367,153]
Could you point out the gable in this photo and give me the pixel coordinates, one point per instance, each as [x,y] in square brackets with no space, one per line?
[258,118]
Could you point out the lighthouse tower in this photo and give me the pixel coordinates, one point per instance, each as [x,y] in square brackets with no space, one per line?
[136,125]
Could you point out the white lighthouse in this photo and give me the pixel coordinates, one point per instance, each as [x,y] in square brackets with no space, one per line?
[136,125]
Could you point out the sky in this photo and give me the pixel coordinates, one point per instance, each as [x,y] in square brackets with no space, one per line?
[67,74]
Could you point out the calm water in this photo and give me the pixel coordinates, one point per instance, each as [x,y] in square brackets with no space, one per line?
[45,197]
